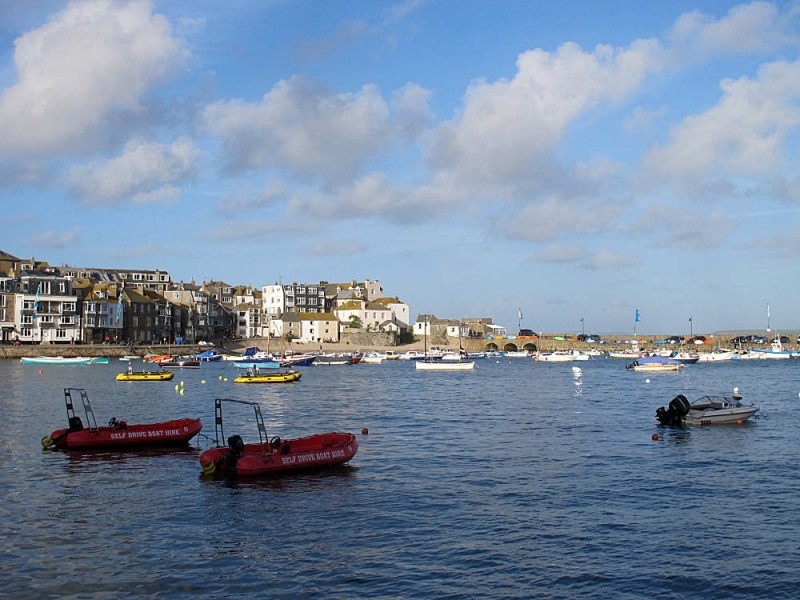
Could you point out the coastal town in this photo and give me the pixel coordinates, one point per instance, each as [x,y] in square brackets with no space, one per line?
[45,304]
[42,304]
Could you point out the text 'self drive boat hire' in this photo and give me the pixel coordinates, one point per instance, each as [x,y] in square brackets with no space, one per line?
[707,410]
[273,456]
[118,434]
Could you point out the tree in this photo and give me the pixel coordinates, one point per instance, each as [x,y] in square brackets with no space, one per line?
[355,322]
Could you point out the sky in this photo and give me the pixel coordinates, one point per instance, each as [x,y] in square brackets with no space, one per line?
[554,165]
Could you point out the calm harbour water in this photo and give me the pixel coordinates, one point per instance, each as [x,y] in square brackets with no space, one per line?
[517,480]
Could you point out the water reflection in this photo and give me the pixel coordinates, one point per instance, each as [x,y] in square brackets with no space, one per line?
[577,375]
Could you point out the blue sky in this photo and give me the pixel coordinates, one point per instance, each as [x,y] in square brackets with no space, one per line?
[575,160]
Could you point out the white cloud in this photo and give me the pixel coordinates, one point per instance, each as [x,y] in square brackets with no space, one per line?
[511,128]
[561,253]
[743,134]
[303,127]
[144,172]
[685,229]
[747,28]
[608,259]
[90,63]
[55,239]
[555,217]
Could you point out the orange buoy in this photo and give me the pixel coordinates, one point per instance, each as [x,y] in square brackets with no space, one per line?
[40,371]
[738,421]
[655,437]
[365,431]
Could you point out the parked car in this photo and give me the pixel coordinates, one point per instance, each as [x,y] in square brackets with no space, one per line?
[674,339]
[783,340]
[526,333]
[698,339]
[589,338]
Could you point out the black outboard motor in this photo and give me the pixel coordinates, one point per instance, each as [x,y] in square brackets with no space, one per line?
[678,408]
[75,424]
[235,451]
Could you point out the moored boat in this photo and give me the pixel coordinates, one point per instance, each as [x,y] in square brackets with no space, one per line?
[180,362]
[333,360]
[707,410]
[262,364]
[272,456]
[118,434]
[146,376]
[269,376]
[444,365]
[64,360]
[717,356]
[209,356]
[655,364]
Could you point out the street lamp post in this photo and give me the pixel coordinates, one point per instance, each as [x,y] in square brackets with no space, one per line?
[691,333]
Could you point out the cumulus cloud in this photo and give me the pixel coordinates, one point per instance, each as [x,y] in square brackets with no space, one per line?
[747,28]
[511,128]
[89,64]
[144,172]
[306,129]
[743,134]
[555,216]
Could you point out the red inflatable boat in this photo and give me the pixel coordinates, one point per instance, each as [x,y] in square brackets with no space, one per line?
[118,434]
[274,456]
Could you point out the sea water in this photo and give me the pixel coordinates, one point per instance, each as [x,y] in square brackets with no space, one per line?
[515,480]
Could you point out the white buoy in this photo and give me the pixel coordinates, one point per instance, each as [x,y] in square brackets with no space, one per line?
[647,381]
[736,391]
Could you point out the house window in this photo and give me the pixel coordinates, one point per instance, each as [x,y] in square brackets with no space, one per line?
[62,287]
[27,319]
[61,334]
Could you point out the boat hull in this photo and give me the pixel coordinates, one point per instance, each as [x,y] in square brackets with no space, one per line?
[719,417]
[169,433]
[258,364]
[287,456]
[60,360]
[656,368]
[444,366]
[278,377]
[146,376]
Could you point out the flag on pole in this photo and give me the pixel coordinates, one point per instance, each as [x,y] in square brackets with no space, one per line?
[36,301]
[520,314]
[119,304]
[637,316]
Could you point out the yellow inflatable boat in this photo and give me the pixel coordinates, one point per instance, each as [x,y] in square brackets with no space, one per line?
[146,376]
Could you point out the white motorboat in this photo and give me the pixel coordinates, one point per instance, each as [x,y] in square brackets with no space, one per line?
[557,356]
[719,356]
[373,358]
[655,364]
[444,365]
[706,410]
[776,350]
